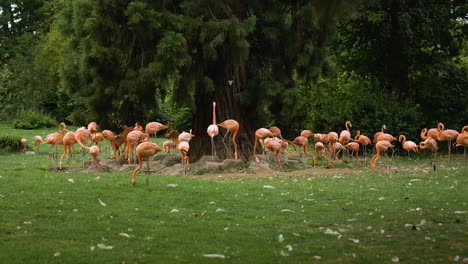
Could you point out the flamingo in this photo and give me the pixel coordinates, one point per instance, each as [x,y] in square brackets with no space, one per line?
[117,142]
[68,141]
[138,127]
[338,147]
[55,139]
[213,131]
[306,133]
[321,138]
[144,150]
[354,146]
[284,142]
[168,145]
[133,138]
[260,136]
[408,145]
[274,145]
[364,141]
[447,135]
[333,138]
[24,142]
[376,135]
[433,133]
[110,136]
[37,141]
[154,128]
[97,138]
[92,127]
[172,134]
[184,148]
[319,147]
[380,147]
[345,135]
[232,126]
[81,137]
[430,144]
[303,143]
[462,140]
[184,136]
[94,150]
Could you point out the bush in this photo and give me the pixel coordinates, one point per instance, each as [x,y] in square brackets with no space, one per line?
[32,119]
[10,144]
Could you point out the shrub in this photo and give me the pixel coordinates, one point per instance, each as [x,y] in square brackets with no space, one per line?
[10,144]
[32,119]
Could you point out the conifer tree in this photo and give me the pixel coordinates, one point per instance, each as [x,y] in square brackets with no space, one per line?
[245,55]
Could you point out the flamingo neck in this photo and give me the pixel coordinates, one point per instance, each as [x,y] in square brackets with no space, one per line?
[214,113]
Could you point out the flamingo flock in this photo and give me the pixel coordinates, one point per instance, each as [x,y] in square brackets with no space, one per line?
[137,144]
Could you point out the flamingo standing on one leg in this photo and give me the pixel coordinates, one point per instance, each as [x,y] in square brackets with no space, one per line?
[260,136]
[274,145]
[37,141]
[213,131]
[94,150]
[144,150]
[24,142]
[462,140]
[380,147]
[408,145]
[447,135]
[232,126]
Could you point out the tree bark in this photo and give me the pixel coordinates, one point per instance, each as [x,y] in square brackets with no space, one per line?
[227,107]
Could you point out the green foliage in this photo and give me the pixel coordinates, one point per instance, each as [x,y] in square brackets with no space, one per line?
[350,98]
[32,119]
[413,50]
[10,144]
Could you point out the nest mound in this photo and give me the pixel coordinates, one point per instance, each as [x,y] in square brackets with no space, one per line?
[172,165]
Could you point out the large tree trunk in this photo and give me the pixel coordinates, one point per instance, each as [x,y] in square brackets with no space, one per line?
[227,107]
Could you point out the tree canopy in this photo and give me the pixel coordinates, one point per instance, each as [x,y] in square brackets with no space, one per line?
[294,64]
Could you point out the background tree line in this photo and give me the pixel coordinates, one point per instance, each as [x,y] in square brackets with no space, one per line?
[294,64]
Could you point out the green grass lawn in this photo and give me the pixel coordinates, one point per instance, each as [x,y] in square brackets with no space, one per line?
[347,215]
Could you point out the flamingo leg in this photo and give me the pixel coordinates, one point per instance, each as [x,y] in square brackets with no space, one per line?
[278,159]
[140,164]
[224,143]
[235,144]
[147,171]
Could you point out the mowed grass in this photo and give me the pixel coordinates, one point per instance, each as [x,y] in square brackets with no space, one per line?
[411,213]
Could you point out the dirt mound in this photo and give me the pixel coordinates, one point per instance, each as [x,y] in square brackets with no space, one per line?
[172,165]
